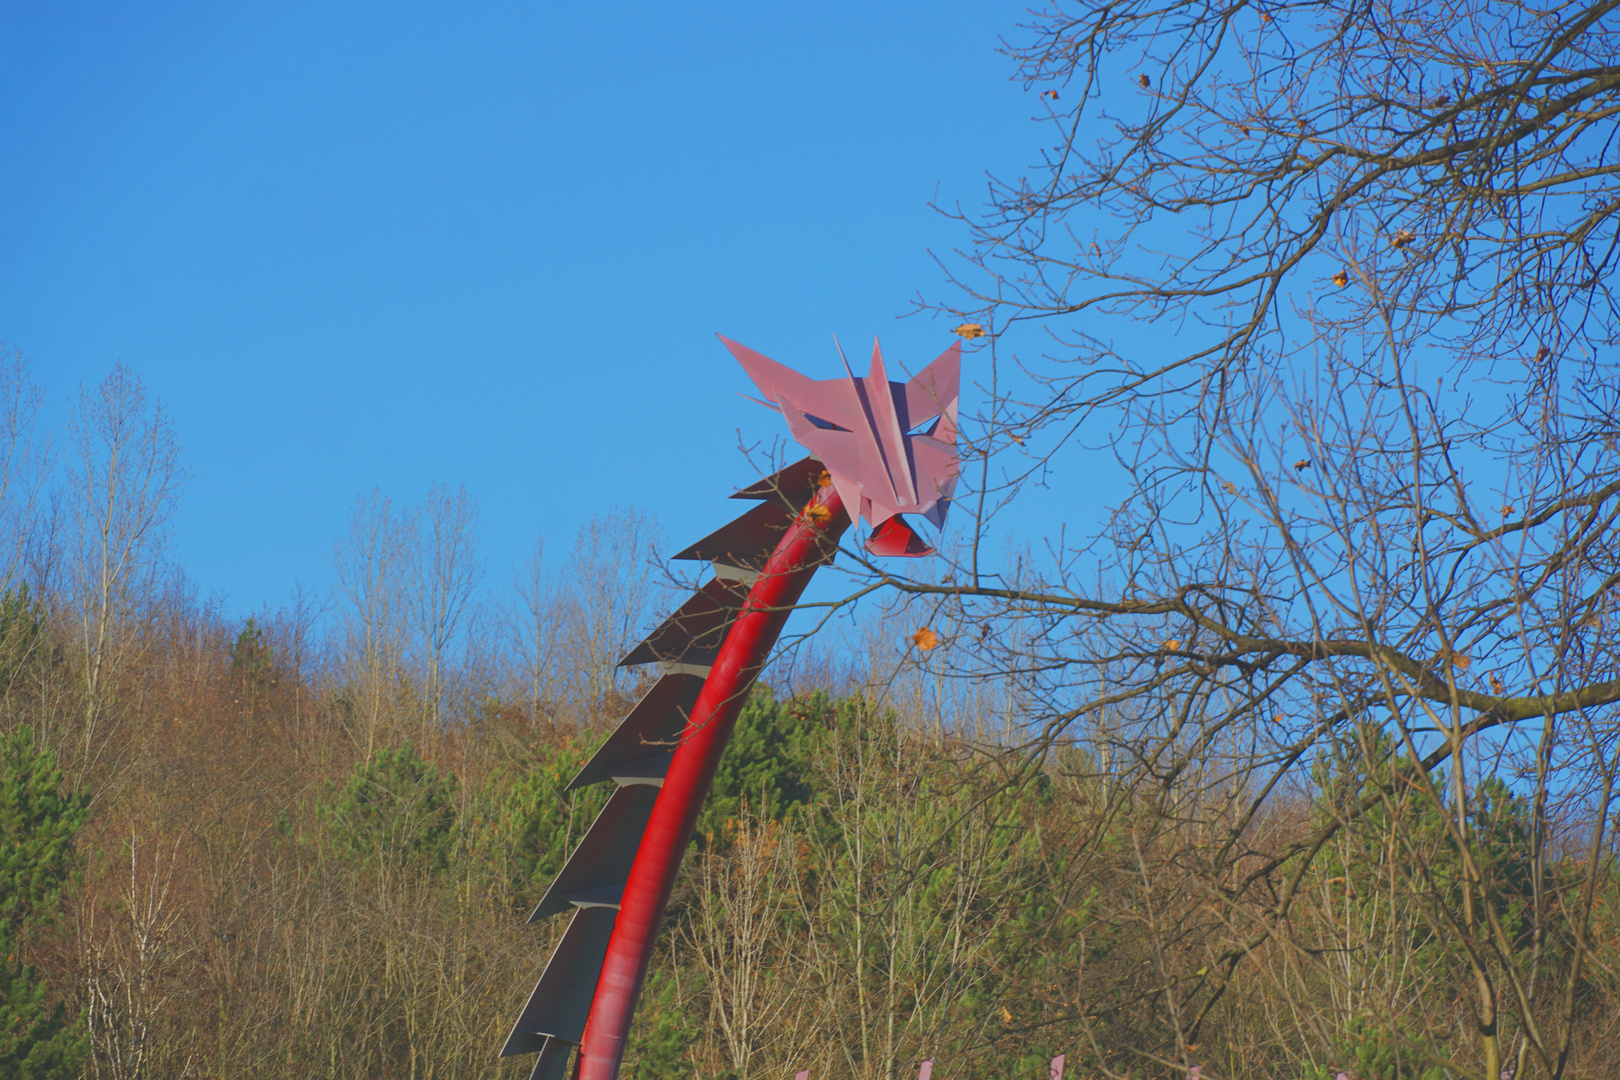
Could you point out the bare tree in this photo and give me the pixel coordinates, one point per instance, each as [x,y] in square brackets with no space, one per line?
[534,636]
[297,650]
[125,968]
[605,597]
[445,575]
[741,939]
[24,464]
[1370,476]
[371,565]
[121,488]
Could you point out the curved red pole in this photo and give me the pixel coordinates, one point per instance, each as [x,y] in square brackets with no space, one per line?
[691,771]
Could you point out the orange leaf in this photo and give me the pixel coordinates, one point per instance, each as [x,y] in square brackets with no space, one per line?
[1171,645]
[1341,279]
[970,330]
[924,639]
[818,514]
[1144,81]
[825,479]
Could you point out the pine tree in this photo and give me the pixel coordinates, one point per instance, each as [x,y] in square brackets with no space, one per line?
[396,808]
[38,824]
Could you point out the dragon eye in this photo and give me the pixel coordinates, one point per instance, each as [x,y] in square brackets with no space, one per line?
[824,425]
[925,428]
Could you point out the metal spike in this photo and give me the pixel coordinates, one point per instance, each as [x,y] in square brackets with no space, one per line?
[561,1000]
[792,486]
[650,730]
[694,634]
[746,542]
[602,859]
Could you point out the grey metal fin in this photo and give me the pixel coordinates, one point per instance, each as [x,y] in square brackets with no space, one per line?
[746,542]
[552,1064]
[607,896]
[652,728]
[791,487]
[561,1001]
[694,634]
[602,859]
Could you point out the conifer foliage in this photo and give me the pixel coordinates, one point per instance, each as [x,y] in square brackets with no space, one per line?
[39,822]
[396,809]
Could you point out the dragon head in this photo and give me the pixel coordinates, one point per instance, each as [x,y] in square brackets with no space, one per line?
[889,447]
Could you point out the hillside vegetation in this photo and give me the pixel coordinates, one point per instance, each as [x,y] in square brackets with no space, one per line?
[306,846]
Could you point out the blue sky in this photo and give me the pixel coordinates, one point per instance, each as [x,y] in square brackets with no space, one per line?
[354,245]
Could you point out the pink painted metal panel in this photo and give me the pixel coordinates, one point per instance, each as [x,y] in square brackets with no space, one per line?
[862,429]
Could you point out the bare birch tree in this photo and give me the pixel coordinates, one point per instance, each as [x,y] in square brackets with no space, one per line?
[605,598]
[24,465]
[534,637]
[445,576]
[371,564]
[742,941]
[122,483]
[125,969]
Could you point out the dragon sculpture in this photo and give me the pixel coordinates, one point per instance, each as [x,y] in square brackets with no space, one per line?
[878,449]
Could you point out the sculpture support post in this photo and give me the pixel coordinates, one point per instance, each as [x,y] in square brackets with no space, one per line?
[669,830]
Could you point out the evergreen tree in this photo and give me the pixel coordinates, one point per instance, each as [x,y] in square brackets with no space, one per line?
[252,657]
[38,825]
[767,764]
[397,809]
[540,824]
